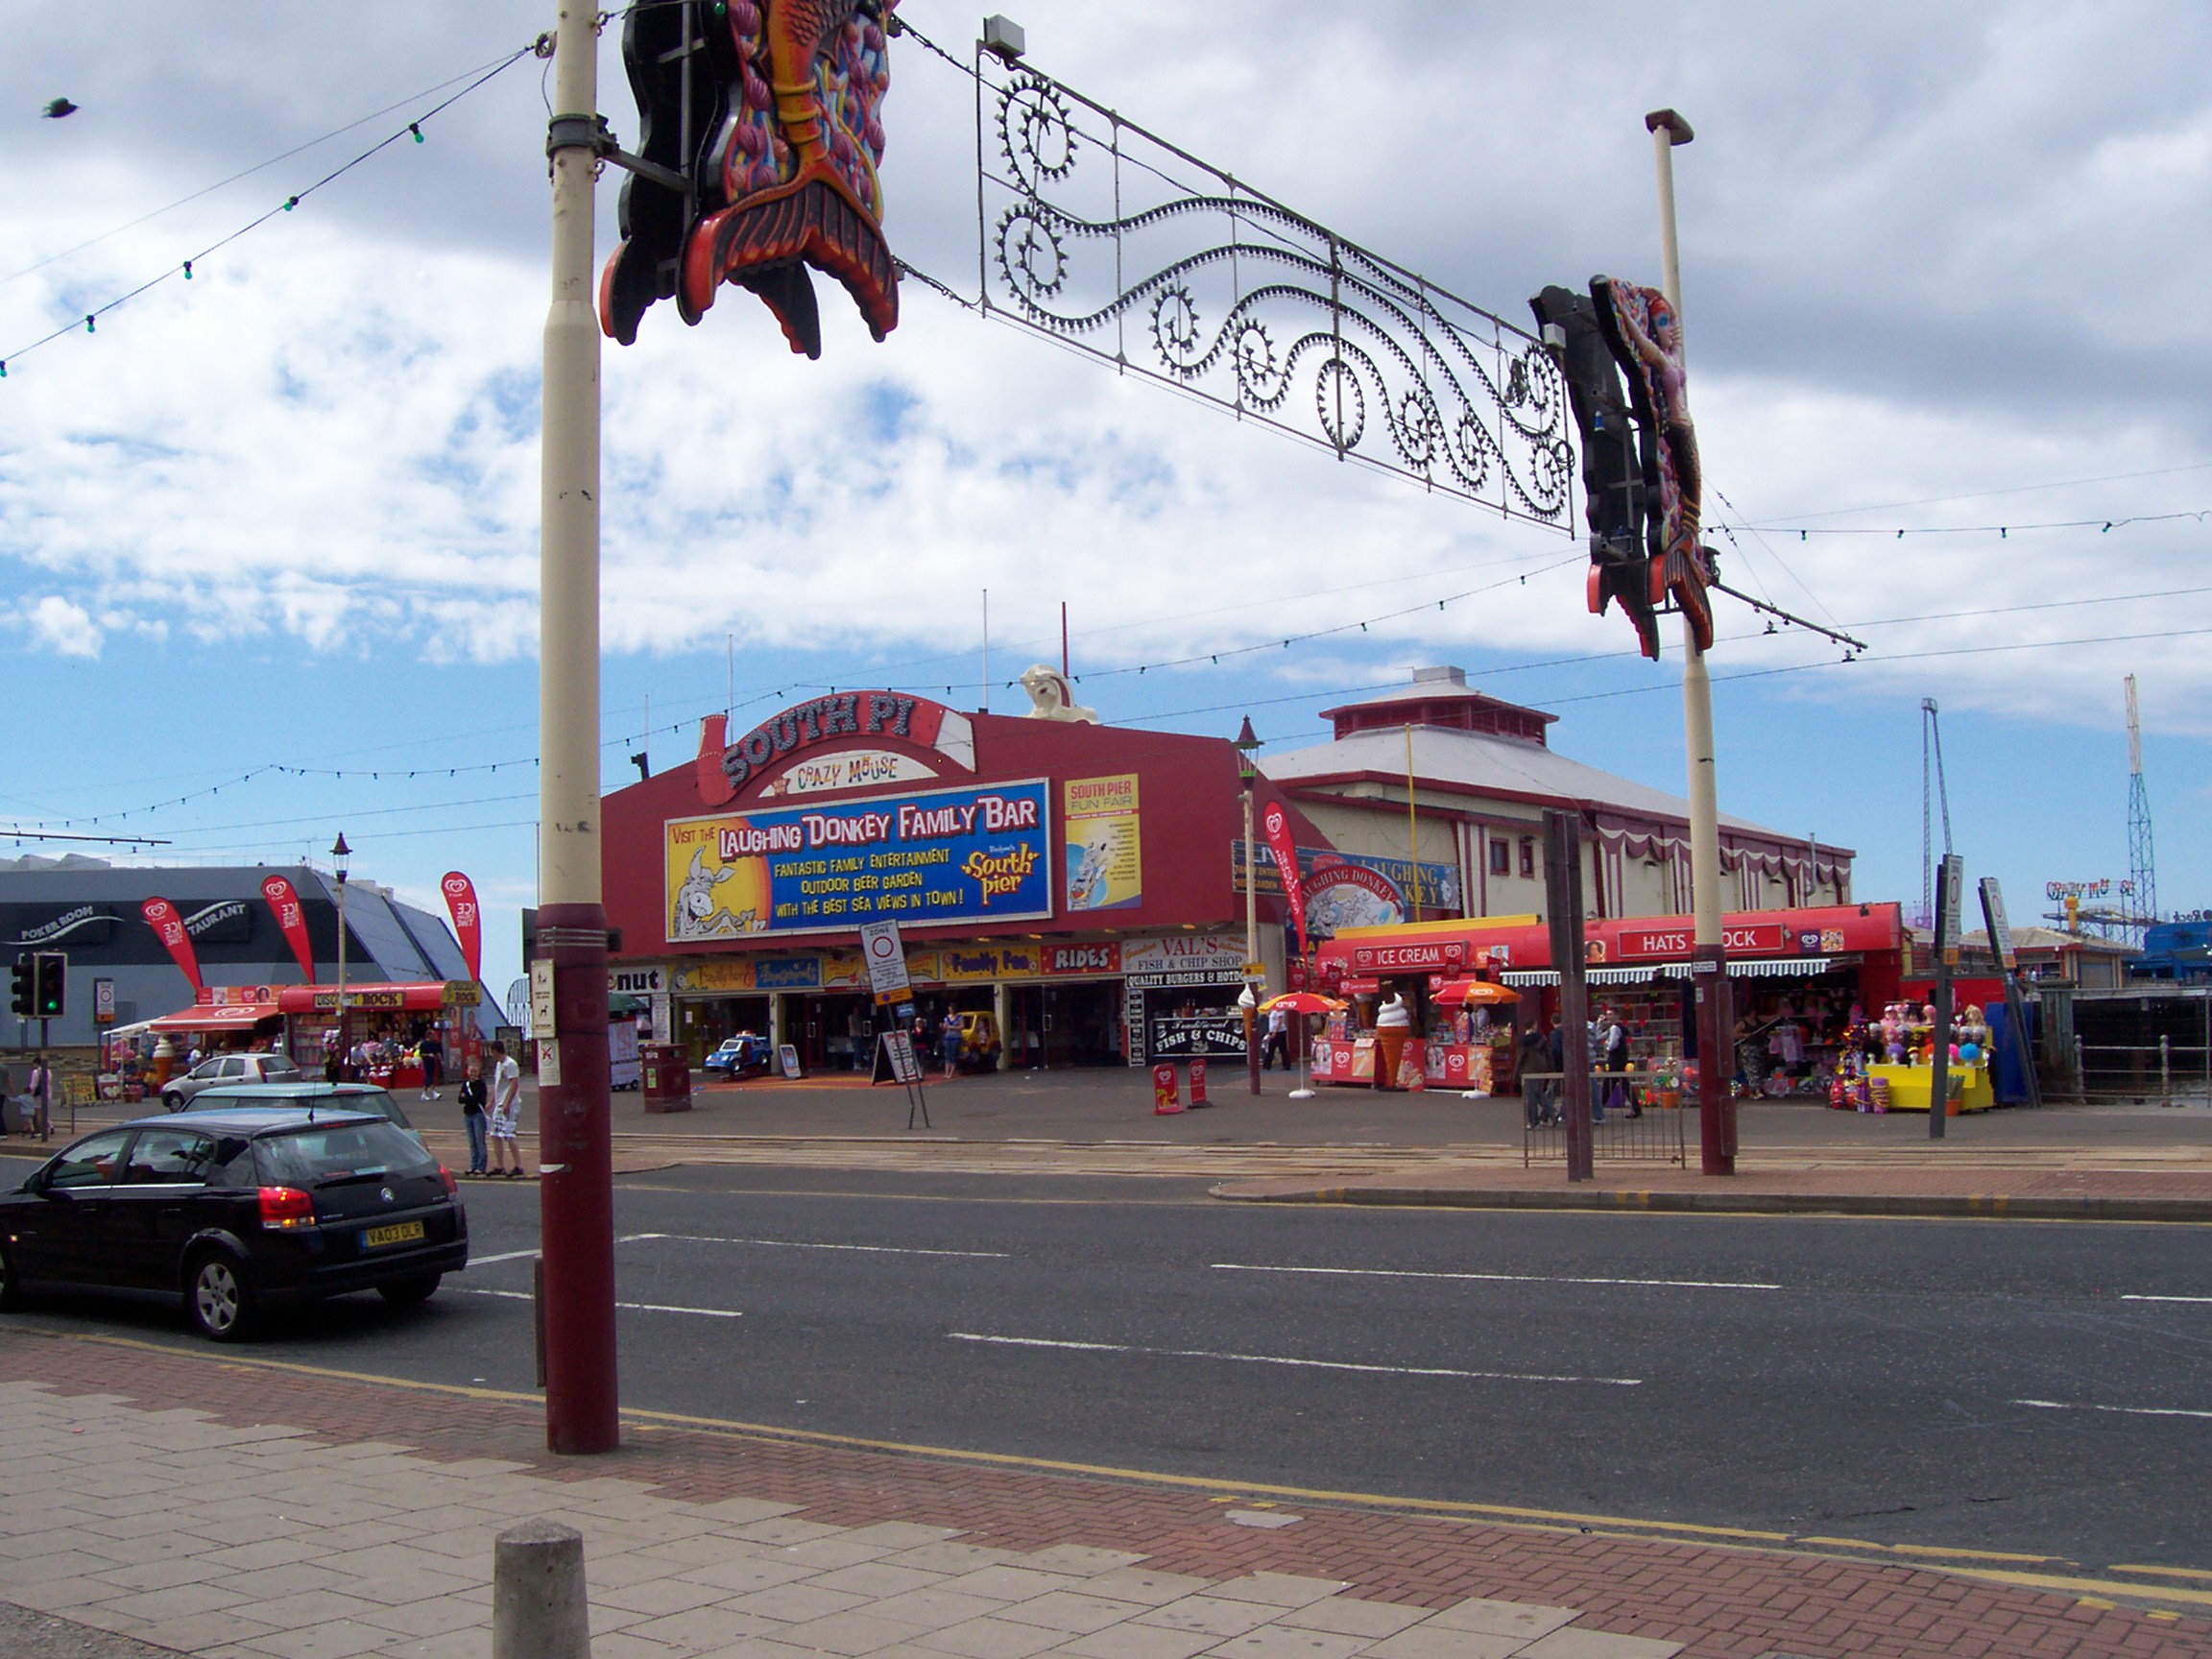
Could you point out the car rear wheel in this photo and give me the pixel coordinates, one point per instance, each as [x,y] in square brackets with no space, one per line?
[406,1292]
[220,1300]
[173,1102]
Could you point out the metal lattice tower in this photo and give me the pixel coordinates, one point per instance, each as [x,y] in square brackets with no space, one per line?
[1932,789]
[2142,861]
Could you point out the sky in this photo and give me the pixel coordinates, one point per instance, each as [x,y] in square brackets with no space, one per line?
[268,535]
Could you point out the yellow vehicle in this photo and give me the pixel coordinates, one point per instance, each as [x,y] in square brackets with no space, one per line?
[979,1041]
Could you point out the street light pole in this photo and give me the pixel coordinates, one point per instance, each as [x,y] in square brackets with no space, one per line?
[1246,741]
[1708,961]
[339,853]
[576,1191]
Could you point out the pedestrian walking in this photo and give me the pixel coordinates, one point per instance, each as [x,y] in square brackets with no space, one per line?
[40,1089]
[432,1052]
[1531,1059]
[1613,1037]
[1278,1043]
[506,1114]
[473,1121]
[1556,1052]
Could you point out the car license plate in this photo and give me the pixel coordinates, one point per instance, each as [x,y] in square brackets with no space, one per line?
[398,1233]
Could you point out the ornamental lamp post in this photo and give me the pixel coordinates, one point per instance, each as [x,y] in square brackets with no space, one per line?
[339,853]
[1254,979]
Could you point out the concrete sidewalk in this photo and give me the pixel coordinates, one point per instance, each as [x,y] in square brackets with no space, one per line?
[237,1507]
[2015,1188]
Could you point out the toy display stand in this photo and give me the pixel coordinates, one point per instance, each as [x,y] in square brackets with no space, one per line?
[1910,1087]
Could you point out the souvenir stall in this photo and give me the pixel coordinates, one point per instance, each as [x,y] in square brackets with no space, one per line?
[1458,1027]
[135,1060]
[388,1023]
[1802,979]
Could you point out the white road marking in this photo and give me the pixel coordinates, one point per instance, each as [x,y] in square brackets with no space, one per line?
[633,1306]
[1285,1360]
[2123,1411]
[1502,1278]
[510,1255]
[804,1244]
[2134,1298]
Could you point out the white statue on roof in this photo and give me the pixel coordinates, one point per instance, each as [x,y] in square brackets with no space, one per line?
[1052,698]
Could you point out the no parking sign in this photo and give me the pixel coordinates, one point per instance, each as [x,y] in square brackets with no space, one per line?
[886,956]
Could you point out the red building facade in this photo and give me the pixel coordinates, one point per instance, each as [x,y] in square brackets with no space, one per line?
[1076,880]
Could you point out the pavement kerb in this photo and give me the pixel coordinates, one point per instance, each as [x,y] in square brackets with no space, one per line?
[1991,1207]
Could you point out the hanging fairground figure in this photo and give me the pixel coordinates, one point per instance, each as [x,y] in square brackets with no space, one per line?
[1646,338]
[777,122]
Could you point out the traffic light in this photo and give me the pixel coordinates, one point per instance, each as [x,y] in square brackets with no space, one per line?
[1615,460]
[50,992]
[21,983]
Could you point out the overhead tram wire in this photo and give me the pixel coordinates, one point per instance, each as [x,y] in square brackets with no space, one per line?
[399,773]
[248,172]
[413,129]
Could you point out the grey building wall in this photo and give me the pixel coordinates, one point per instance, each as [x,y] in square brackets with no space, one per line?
[92,912]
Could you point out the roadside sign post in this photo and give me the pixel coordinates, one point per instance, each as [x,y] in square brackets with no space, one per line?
[885,953]
[1953,877]
[1563,905]
[2008,964]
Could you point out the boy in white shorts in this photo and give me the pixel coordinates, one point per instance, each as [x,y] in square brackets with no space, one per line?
[506,1112]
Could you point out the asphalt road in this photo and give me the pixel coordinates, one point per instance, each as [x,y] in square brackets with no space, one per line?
[1985,1385]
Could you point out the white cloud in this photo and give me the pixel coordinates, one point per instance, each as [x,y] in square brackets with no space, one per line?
[57,625]
[1903,284]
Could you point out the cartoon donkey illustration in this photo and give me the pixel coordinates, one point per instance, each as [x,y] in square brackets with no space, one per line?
[695,901]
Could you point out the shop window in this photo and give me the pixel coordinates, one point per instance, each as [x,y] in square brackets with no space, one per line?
[1528,859]
[1500,858]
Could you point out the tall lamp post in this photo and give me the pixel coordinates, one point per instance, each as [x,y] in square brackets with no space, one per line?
[575,1165]
[1254,980]
[339,853]
[1708,957]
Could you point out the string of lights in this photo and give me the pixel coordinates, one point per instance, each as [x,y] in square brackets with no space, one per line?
[2003,532]
[89,319]
[246,173]
[687,722]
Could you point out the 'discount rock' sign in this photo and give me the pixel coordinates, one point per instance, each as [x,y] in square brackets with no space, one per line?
[973,854]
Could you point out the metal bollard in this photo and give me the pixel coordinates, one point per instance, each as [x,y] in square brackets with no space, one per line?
[539,1608]
[2165,1071]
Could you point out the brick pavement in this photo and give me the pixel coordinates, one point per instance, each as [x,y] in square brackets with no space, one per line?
[236,1508]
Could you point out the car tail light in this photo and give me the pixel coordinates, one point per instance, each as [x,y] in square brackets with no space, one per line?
[286,1207]
[447,1175]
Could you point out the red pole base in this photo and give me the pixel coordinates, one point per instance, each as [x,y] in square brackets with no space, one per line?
[576,1188]
[1716,1060]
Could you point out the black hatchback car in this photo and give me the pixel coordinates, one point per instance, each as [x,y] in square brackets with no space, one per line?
[234,1214]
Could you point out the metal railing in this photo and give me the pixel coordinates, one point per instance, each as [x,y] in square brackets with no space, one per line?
[1654,1134]
[2167,1072]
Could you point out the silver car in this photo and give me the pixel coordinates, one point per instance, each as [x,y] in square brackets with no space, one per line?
[216,1069]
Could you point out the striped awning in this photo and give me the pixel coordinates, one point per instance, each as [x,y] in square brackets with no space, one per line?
[1754,968]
